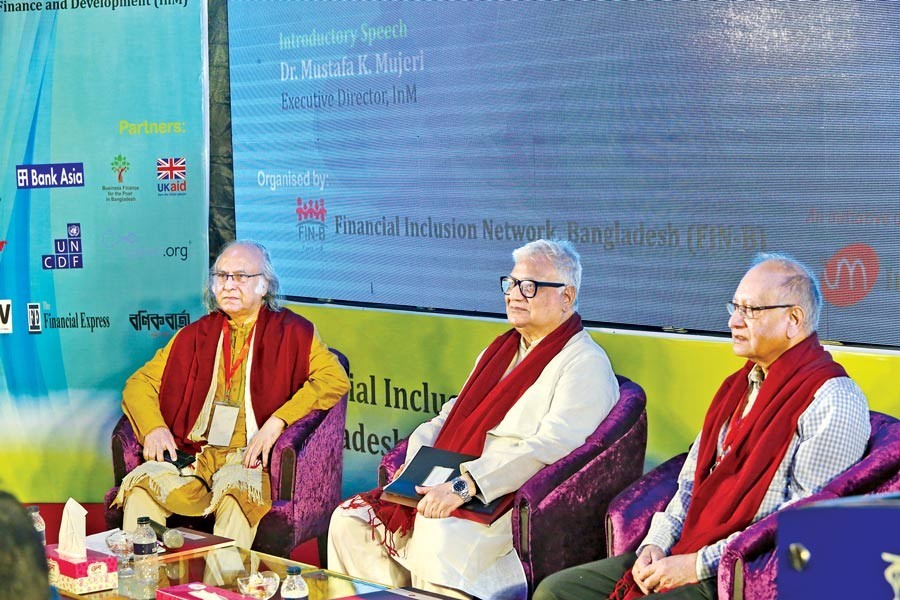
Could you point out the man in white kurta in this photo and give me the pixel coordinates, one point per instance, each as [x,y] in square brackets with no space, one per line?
[569,399]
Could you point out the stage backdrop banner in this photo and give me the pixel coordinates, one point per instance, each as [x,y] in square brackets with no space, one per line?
[394,153]
[103,217]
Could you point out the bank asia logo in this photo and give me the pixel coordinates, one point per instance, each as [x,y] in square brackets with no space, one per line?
[49,175]
[311,220]
[171,175]
[66,251]
[850,274]
[5,316]
[34,317]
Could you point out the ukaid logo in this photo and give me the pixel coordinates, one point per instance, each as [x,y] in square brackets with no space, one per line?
[5,316]
[34,317]
[171,175]
[850,274]
[50,175]
[66,251]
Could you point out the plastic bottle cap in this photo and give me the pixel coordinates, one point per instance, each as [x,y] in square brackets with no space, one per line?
[293,570]
[143,520]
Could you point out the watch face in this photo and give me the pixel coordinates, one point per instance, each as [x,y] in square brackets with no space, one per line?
[459,486]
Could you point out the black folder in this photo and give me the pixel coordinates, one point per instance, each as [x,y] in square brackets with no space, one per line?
[403,489]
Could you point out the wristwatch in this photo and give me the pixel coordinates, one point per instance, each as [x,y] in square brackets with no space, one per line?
[461,488]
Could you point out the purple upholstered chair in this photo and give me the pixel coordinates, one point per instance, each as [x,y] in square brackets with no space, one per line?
[305,471]
[556,516]
[748,566]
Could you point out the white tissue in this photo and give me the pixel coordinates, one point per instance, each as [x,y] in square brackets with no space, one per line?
[72,531]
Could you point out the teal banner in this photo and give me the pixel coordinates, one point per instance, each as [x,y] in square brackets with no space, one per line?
[103,219]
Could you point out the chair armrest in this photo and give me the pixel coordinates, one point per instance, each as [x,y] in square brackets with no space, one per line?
[288,451]
[127,453]
[557,513]
[629,514]
[306,470]
[748,567]
[292,454]
[392,461]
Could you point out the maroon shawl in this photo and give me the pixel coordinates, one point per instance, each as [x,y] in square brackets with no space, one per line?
[483,402]
[727,497]
[280,364]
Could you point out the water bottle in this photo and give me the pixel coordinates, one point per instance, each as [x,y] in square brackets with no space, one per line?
[146,561]
[294,586]
[39,524]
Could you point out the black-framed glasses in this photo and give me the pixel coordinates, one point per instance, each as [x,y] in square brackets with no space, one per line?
[528,287]
[751,312]
[221,277]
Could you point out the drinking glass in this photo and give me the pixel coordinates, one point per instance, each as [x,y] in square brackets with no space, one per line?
[121,545]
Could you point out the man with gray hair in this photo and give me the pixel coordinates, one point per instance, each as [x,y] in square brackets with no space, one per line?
[221,392]
[778,430]
[535,394]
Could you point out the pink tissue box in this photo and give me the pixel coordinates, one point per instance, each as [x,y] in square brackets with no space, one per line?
[183,592]
[94,573]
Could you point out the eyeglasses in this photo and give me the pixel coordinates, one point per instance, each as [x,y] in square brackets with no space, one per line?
[528,287]
[220,277]
[751,312]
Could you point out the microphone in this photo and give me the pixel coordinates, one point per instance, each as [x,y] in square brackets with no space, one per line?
[171,538]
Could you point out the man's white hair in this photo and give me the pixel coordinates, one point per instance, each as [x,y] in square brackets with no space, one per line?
[268,278]
[561,254]
[800,286]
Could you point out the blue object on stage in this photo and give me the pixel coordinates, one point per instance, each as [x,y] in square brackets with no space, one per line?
[842,548]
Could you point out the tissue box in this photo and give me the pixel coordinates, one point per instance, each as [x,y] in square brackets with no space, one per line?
[94,573]
[183,592]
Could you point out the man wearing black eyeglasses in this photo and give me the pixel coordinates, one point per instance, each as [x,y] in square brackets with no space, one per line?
[778,430]
[216,398]
[535,394]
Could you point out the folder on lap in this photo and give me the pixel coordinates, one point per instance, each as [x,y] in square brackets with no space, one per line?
[432,466]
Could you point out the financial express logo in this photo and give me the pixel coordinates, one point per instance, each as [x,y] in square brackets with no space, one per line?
[850,274]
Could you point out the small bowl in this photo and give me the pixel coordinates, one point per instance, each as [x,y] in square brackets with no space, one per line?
[261,585]
[120,543]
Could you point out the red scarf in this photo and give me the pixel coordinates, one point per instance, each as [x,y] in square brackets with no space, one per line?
[281,345]
[727,497]
[483,402]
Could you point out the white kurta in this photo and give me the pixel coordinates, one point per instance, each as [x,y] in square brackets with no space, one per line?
[573,394]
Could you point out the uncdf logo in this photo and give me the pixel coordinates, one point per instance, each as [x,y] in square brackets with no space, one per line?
[850,274]
[67,252]
[311,220]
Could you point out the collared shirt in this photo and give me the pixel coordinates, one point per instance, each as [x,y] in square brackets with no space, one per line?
[831,436]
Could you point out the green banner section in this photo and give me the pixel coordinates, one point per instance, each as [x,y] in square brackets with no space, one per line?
[403,366]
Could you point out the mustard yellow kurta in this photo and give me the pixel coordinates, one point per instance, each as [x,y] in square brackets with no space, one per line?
[220,468]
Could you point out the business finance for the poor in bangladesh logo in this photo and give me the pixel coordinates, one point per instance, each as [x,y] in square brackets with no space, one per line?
[311,222]
[120,190]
